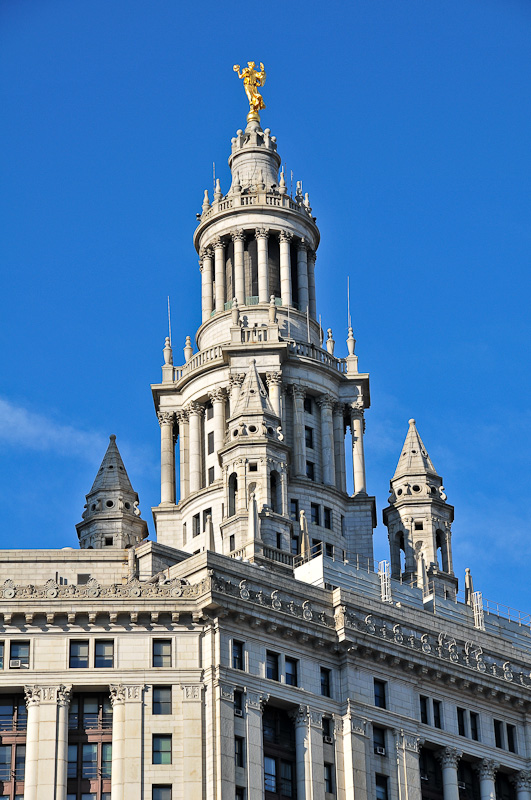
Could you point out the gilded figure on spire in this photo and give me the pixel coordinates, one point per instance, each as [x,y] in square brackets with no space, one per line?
[252,79]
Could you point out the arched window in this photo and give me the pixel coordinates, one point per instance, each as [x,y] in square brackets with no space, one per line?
[401,551]
[274,492]
[233,494]
[442,550]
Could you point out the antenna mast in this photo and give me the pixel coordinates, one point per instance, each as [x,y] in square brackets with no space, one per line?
[169,319]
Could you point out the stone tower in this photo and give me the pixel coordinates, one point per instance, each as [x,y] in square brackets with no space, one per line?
[419,521]
[111,517]
[261,409]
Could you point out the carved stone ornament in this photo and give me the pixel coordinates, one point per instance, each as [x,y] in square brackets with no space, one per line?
[449,757]
[64,695]
[217,395]
[191,692]
[325,401]
[165,417]
[117,692]
[487,769]
[256,701]
[238,236]
[227,692]
[316,719]
[300,715]
[357,724]
[273,377]
[262,233]
[408,741]
[522,780]
[285,236]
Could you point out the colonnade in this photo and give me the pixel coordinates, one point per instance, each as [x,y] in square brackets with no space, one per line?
[212,264]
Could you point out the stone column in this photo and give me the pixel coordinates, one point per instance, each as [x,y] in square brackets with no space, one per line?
[217,398]
[449,759]
[327,440]
[302,276]
[299,441]
[486,770]
[355,755]
[339,446]
[274,384]
[309,753]
[358,458]
[33,699]
[64,695]
[522,783]
[219,271]
[195,414]
[285,267]
[311,284]
[407,753]
[238,237]
[193,742]
[133,730]
[184,479]
[262,235]
[254,705]
[117,693]
[205,263]
[167,457]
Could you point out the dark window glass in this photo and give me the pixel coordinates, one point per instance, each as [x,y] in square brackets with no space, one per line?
[237,655]
[291,672]
[380,698]
[253,467]
[381,787]
[238,700]
[238,751]
[240,793]
[1,655]
[286,779]
[314,513]
[325,682]
[424,710]
[196,525]
[210,440]
[272,666]
[209,411]
[5,762]
[20,763]
[310,470]
[308,437]
[328,778]
[162,699]
[104,653]
[329,550]
[19,651]
[89,761]
[378,737]
[295,545]
[72,760]
[308,405]
[328,518]
[90,713]
[162,748]
[511,738]
[161,793]
[327,727]
[461,721]
[106,759]
[162,652]
[210,475]
[79,655]
[474,726]
[270,774]
[294,509]
[232,542]
[437,720]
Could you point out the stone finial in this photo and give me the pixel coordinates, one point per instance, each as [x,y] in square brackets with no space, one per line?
[235,312]
[168,354]
[206,202]
[218,194]
[307,202]
[469,587]
[351,342]
[236,185]
[188,349]
[282,185]
[330,342]
[272,310]
[298,192]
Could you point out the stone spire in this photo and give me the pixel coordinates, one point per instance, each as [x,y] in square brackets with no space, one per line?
[414,459]
[253,397]
[111,517]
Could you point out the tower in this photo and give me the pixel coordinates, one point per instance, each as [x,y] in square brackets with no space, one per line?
[419,521]
[261,409]
[112,516]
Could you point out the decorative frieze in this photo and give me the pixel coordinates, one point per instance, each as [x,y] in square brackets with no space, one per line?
[191,691]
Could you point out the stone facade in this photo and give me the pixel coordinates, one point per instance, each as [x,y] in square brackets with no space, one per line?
[255,650]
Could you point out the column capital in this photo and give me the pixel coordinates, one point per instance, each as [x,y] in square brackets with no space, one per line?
[285,236]
[449,756]
[206,252]
[273,377]
[238,235]
[256,700]
[36,694]
[300,715]
[312,256]
[218,243]
[325,401]
[236,380]
[356,409]
[339,408]
[522,779]
[195,409]
[165,417]
[182,415]
[297,391]
[487,768]
[217,395]
[262,233]
[303,246]
[64,695]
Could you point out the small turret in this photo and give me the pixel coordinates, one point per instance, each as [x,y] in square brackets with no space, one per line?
[419,521]
[112,516]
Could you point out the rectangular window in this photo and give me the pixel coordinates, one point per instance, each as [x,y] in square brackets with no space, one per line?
[310,470]
[437,718]
[79,655]
[308,437]
[196,525]
[308,405]
[295,545]
[326,688]
[19,651]
[287,788]
[210,475]
[237,654]
[270,774]
[239,793]
[498,733]
[380,694]
[238,701]
[511,738]
[329,778]
[291,672]
[162,699]
[378,740]
[474,726]
[238,751]
[279,540]
[381,787]
[162,652]
[272,666]
[294,510]
[5,762]
[106,759]
[461,721]
[329,550]
[210,440]
[109,541]
[161,793]
[209,411]
[104,653]
[72,760]
[161,748]
[232,542]
[424,716]
[20,762]
[327,518]
[253,466]
[418,526]
[315,513]
[327,728]
[89,764]
[90,713]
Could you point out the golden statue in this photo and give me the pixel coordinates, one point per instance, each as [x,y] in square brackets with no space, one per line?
[252,79]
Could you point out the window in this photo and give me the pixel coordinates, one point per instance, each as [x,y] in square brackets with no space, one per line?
[72,761]
[381,787]
[294,544]
[505,736]
[162,652]
[210,475]
[498,733]
[329,778]
[79,655]
[310,470]
[424,716]
[19,651]
[108,541]
[5,762]
[89,761]
[308,437]
[378,740]
[210,440]
[196,525]
[294,509]
[161,793]
[418,526]
[240,793]
[232,542]
[104,653]
[237,654]
[474,726]
[437,718]
[161,748]
[329,550]
[162,699]
[291,672]
[308,405]
[315,513]
[238,702]
[1,655]
[327,728]
[325,682]
[106,759]
[238,751]
[253,467]
[209,408]
[511,738]
[380,698]
[461,721]
[328,518]
[272,666]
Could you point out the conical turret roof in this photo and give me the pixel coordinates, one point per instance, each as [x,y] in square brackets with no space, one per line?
[253,397]
[112,474]
[414,459]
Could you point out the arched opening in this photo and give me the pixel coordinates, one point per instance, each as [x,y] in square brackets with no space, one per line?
[233,494]
[274,492]
[441,550]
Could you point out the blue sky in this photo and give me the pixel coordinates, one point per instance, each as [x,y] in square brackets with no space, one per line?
[409,123]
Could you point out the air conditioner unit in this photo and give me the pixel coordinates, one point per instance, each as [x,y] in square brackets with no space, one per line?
[424,777]
[328,739]
[238,712]
[380,751]
[15,663]
[461,785]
